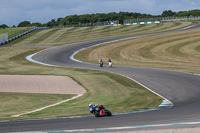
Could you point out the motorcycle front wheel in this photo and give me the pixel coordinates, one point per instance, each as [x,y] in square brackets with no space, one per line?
[96,113]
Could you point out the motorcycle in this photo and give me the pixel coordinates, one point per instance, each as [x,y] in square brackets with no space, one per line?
[101,64]
[110,64]
[101,111]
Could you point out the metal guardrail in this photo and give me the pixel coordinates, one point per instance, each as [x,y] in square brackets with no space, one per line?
[163,19]
[154,22]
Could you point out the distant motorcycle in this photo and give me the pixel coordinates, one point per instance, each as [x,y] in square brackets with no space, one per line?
[101,64]
[101,111]
[110,64]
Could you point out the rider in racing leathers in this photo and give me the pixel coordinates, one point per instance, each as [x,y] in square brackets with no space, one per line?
[109,63]
[94,107]
[101,63]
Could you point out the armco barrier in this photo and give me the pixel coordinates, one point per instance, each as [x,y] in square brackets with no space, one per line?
[143,23]
[115,24]
[16,37]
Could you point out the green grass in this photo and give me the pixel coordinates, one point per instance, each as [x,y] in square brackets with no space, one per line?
[117,93]
[13,31]
[107,91]
[16,103]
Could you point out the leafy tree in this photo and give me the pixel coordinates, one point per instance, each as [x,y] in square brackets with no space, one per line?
[168,13]
[94,18]
[60,22]
[37,24]
[3,26]
[52,23]
[24,24]
[195,12]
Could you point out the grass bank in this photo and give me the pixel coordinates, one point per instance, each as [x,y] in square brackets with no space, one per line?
[177,51]
[16,103]
[55,37]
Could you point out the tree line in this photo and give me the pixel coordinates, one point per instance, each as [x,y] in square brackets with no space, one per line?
[103,17]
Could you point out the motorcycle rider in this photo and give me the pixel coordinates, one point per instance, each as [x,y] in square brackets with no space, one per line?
[101,63]
[109,63]
[102,111]
[101,107]
[92,107]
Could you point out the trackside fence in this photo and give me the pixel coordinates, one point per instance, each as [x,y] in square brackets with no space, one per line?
[162,19]
[3,37]
[106,23]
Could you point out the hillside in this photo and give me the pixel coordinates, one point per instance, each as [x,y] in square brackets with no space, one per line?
[61,36]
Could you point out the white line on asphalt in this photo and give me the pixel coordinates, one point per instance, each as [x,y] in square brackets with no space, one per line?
[116,128]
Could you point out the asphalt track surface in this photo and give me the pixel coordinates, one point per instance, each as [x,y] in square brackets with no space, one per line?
[182,89]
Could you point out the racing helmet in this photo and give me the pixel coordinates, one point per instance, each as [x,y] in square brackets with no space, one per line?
[90,104]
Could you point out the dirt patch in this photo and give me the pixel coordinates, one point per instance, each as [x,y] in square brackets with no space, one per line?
[40,84]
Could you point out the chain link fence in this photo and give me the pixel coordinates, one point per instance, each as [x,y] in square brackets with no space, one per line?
[3,37]
[106,23]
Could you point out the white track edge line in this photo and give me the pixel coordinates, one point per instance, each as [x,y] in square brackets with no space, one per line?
[72,58]
[51,105]
[115,128]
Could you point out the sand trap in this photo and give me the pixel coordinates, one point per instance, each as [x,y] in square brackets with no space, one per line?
[40,84]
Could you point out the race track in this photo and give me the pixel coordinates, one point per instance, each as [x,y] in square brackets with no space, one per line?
[182,89]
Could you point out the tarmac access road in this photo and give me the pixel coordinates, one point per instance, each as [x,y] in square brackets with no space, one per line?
[182,89]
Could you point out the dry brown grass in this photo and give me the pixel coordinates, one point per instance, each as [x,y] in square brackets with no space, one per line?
[176,51]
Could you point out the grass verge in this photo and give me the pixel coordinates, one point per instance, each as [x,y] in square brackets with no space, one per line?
[16,103]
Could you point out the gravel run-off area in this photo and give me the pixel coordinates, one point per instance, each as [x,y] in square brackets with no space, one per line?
[40,84]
